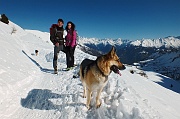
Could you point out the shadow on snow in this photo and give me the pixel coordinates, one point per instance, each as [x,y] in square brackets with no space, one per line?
[38,65]
[41,99]
[169,83]
[166,82]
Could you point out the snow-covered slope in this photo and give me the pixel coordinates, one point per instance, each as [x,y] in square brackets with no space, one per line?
[166,63]
[42,35]
[29,90]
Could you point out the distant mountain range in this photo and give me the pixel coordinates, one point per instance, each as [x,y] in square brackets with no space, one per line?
[140,50]
[130,51]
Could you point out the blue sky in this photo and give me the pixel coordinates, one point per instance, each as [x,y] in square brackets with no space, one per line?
[126,19]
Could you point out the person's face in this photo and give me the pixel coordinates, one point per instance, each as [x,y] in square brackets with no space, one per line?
[69,26]
[60,24]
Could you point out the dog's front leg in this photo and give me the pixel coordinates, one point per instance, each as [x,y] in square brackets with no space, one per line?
[88,92]
[84,93]
[98,103]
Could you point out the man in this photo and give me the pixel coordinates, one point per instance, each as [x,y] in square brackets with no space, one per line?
[57,36]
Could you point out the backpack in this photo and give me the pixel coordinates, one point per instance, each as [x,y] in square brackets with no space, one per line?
[51,29]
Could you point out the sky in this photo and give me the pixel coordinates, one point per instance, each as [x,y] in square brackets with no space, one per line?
[125,19]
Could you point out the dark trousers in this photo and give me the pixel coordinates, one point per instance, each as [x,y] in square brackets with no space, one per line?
[70,56]
[56,52]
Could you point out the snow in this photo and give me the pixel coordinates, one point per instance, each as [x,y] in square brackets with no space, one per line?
[106,41]
[157,43]
[30,90]
[168,42]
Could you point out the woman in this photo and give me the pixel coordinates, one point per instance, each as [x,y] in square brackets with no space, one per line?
[70,44]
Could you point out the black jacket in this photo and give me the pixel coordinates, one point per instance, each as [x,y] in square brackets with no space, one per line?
[57,35]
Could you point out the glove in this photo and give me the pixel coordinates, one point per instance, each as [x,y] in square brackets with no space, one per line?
[57,44]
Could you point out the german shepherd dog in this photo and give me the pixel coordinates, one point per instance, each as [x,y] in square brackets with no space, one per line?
[94,74]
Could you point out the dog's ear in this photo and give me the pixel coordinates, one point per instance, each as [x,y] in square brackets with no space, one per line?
[114,48]
[112,51]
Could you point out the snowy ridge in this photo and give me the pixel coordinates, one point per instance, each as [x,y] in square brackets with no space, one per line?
[167,42]
[107,41]
[157,43]
[29,90]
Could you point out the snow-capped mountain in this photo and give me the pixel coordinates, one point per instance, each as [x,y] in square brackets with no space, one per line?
[139,50]
[102,45]
[167,42]
[29,90]
[132,51]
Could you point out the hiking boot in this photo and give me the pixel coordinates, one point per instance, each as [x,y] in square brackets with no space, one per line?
[55,71]
[69,68]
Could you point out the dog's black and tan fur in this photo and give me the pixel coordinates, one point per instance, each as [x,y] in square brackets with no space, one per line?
[94,74]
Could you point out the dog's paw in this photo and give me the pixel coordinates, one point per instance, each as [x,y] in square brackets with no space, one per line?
[88,107]
[98,105]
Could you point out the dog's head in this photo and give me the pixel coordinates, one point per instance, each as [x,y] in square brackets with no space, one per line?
[114,61]
[36,51]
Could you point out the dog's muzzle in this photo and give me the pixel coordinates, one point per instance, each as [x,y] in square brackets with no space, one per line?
[123,67]
[115,69]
